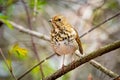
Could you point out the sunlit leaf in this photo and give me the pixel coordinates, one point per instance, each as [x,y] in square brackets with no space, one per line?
[19,51]
[3,18]
[35,73]
[7,23]
[9,2]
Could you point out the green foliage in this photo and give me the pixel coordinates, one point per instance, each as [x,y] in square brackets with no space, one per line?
[9,11]
[97,16]
[3,18]
[6,2]
[39,5]
[4,67]
[112,4]
[47,69]
[3,2]
[7,6]
[66,76]
[36,73]
[10,2]
[18,51]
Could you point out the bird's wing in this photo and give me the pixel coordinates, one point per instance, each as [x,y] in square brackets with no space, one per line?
[79,43]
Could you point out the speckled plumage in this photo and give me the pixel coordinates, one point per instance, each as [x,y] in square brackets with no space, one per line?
[64,38]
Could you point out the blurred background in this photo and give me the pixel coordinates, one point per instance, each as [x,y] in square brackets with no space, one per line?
[82,14]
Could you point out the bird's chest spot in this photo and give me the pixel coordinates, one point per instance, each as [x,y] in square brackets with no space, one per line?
[61,36]
[64,47]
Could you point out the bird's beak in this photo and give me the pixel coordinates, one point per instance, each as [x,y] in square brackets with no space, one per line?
[50,20]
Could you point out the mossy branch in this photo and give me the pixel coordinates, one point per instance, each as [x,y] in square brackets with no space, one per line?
[86,58]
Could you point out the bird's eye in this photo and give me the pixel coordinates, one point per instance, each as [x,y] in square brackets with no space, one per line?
[59,19]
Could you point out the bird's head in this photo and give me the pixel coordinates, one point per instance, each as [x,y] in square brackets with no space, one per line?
[58,21]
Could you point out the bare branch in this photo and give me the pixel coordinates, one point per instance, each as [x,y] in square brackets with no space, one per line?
[29,70]
[86,58]
[35,7]
[32,38]
[103,22]
[103,69]
[9,68]
[42,36]
[31,32]
[24,74]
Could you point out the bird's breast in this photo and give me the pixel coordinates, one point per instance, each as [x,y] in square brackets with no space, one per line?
[65,47]
[63,41]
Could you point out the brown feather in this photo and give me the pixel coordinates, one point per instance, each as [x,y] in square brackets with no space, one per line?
[79,44]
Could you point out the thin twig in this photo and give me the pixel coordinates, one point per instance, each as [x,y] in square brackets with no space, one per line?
[100,24]
[86,58]
[103,69]
[35,66]
[92,62]
[32,38]
[46,38]
[28,31]
[5,60]
[35,6]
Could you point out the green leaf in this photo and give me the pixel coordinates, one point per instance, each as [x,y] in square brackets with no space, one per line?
[3,2]
[7,23]
[40,5]
[113,4]
[35,73]
[3,18]
[18,51]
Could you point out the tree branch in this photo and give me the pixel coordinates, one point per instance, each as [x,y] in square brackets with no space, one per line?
[103,69]
[86,58]
[31,32]
[9,67]
[42,36]
[32,37]
[103,22]
[29,70]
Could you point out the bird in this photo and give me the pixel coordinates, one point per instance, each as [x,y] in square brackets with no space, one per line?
[64,37]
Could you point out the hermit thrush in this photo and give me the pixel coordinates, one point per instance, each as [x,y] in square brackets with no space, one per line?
[64,38]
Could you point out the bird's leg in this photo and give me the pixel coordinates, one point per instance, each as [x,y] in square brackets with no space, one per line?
[72,57]
[63,63]
[78,54]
